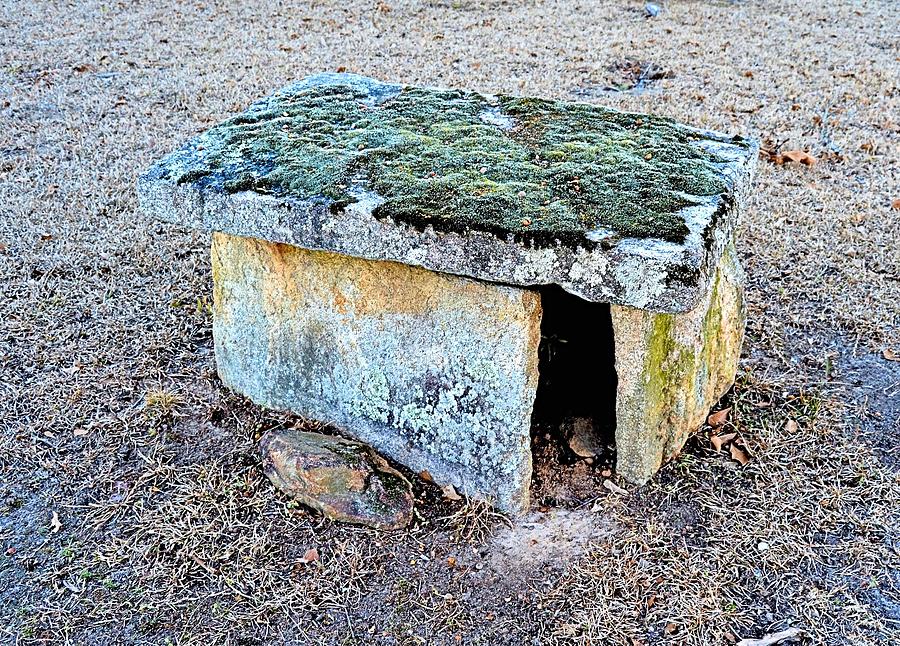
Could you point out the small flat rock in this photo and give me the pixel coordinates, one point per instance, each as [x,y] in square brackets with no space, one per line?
[582,436]
[625,208]
[344,480]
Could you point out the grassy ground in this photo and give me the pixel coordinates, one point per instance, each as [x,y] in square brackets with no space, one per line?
[132,507]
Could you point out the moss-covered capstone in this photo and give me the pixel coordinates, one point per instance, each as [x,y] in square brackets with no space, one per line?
[456,160]
[622,208]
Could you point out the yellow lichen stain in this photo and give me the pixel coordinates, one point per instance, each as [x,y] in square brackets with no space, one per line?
[221,311]
[340,301]
[275,263]
[355,286]
[533,313]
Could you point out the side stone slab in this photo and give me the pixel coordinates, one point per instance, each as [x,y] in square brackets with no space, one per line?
[672,368]
[436,371]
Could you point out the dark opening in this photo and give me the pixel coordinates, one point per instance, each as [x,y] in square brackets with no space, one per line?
[574,417]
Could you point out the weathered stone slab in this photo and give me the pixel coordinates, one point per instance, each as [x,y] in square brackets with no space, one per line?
[623,208]
[672,368]
[435,371]
[346,481]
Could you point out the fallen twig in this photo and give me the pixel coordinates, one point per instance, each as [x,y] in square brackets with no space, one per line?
[774,638]
[612,486]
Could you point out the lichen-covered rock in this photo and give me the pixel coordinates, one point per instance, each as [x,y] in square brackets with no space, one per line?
[614,207]
[344,480]
[672,368]
[435,371]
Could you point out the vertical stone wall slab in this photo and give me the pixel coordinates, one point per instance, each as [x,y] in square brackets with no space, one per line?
[672,368]
[436,371]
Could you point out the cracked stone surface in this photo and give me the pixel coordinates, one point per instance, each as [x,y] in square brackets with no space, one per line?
[435,371]
[614,207]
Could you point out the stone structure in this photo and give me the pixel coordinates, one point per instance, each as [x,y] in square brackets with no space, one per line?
[381,255]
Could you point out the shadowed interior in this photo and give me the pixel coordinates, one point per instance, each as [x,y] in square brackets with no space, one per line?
[577,370]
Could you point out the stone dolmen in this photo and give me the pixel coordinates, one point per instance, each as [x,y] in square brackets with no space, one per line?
[416,266]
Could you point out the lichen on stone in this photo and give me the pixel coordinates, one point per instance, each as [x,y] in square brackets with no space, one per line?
[540,170]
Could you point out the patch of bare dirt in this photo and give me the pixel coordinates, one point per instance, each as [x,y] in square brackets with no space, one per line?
[543,542]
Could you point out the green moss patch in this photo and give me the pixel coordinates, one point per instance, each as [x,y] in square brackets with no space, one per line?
[541,170]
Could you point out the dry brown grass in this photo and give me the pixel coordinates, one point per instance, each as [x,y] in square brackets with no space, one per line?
[474,521]
[112,417]
[797,537]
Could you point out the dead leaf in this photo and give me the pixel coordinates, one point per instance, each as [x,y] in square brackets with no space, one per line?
[612,486]
[55,525]
[311,556]
[896,204]
[769,155]
[718,441]
[80,432]
[799,157]
[203,564]
[671,628]
[890,355]
[3,247]
[426,476]
[738,454]
[774,638]
[791,426]
[449,492]
[451,561]
[719,417]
